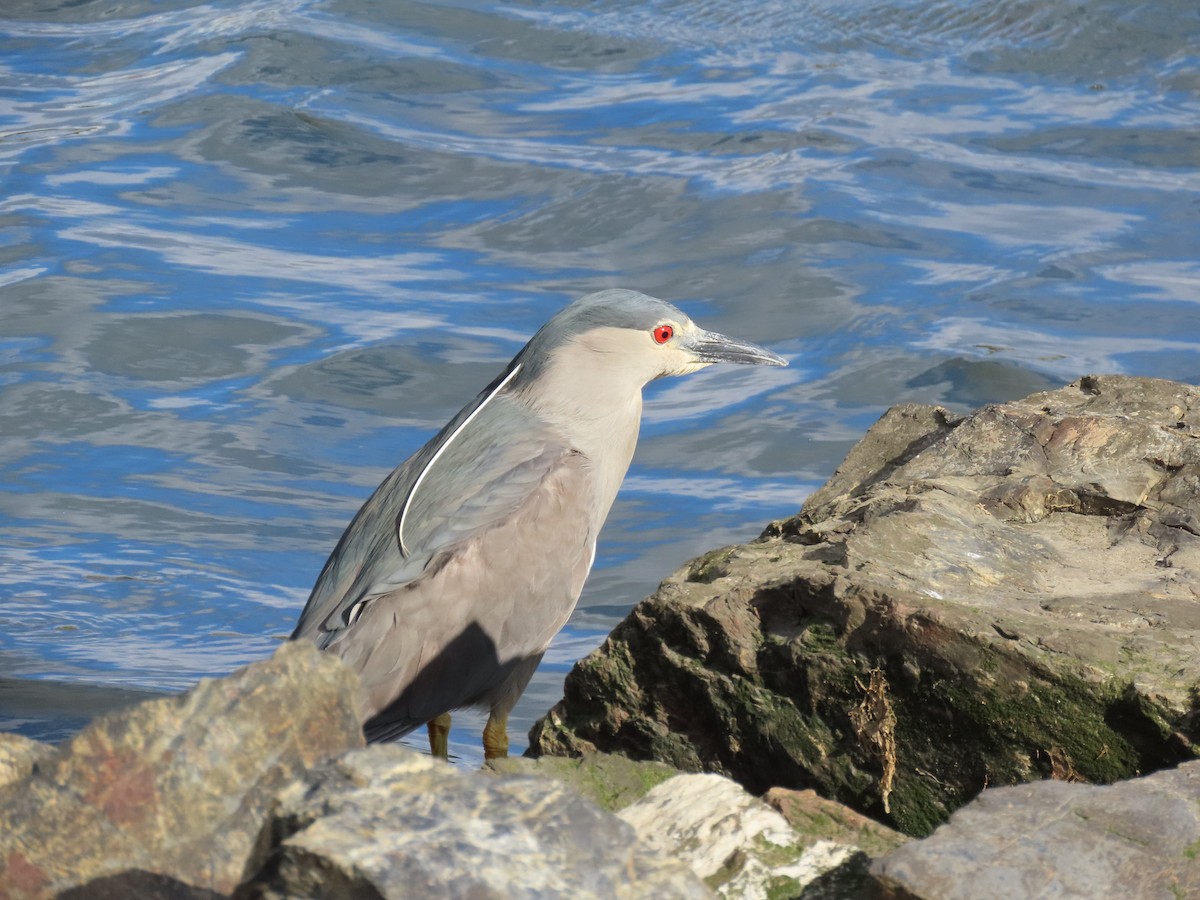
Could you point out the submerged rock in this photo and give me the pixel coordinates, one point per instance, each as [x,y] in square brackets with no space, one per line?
[170,797]
[969,602]
[1135,840]
[387,822]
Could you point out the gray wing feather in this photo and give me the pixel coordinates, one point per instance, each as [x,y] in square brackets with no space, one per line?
[478,479]
[484,609]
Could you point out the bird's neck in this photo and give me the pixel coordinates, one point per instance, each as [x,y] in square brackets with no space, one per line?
[610,444]
[597,407]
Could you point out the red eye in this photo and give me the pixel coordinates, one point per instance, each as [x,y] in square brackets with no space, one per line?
[663,333]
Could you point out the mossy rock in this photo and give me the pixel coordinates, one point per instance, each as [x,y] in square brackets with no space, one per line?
[611,781]
[968,604]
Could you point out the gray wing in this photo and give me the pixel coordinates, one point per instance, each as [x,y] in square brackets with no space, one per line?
[478,471]
[469,630]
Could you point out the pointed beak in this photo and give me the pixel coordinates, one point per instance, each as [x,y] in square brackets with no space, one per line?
[710,347]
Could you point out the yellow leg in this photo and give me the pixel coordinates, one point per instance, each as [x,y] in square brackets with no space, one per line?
[439,736]
[495,736]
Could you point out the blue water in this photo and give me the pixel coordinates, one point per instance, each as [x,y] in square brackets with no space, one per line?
[253,254]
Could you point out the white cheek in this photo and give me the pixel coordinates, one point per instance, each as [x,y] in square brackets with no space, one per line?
[686,366]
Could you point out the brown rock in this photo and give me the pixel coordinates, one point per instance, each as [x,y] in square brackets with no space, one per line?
[815,817]
[174,791]
[968,603]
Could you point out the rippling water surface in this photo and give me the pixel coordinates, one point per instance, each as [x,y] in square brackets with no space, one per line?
[254,254]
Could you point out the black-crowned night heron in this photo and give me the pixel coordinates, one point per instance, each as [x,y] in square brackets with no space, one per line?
[449,584]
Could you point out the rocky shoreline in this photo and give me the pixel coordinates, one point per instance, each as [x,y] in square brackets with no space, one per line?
[968,603]
[970,666]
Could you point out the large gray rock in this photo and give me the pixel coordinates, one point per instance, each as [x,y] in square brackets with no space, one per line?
[170,797]
[968,603]
[1137,840]
[386,822]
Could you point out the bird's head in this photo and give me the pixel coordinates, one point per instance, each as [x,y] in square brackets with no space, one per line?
[635,337]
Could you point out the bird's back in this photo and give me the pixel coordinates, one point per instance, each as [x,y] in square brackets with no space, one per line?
[483,608]
[499,529]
